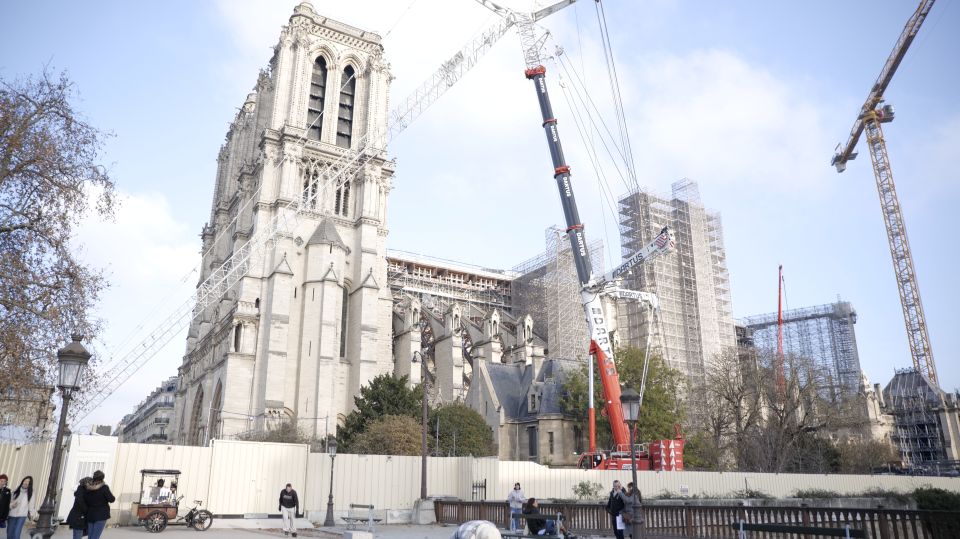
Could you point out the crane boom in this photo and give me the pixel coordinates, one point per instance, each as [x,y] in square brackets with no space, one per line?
[872,114]
[846,153]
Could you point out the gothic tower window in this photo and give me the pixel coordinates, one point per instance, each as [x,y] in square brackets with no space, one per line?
[343,323]
[318,86]
[345,115]
[341,202]
[311,182]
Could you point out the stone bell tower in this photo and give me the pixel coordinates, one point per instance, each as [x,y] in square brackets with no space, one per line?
[310,321]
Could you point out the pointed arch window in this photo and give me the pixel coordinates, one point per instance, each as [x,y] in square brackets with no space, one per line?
[343,322]
[311,182]
[318,88]
[341,202]
[345,113]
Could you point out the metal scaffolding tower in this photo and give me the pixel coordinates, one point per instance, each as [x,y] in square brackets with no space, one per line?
[824,335]
[919,409]
[693,286]
[547,288]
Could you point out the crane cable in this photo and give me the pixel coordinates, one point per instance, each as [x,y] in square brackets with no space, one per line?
[615,91]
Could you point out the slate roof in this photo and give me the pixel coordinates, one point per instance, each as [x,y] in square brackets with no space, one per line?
[512,384]
[326,233]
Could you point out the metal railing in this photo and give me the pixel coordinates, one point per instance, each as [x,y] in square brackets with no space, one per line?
[689,521]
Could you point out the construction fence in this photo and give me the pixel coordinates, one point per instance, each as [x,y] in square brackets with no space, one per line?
[237,478]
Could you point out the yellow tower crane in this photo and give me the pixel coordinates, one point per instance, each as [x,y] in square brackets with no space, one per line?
[873,113]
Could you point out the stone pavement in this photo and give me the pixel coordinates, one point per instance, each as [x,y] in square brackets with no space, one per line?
[237,528]
[253,528]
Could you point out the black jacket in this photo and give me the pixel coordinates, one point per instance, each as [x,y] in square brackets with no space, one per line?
[535,524]
[98,498]
[77,518]
[289,499]
[615,504]
[4,503]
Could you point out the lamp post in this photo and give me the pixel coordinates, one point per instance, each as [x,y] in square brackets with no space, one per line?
[630,402]
[423,424]
[72,360]
[332,451]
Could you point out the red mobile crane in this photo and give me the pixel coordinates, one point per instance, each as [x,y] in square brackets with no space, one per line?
[593,289]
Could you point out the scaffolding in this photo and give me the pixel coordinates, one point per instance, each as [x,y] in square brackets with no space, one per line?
[918,408]
[693,286]
[437,281]
[824,336]
[548,290]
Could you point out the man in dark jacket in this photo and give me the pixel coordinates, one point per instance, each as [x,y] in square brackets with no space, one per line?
[289,507]
[98,498]
[4,500]
[616,504]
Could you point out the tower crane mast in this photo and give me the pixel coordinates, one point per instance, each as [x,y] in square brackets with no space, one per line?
[872,114]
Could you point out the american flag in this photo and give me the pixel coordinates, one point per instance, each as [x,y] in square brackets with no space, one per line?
[662,240]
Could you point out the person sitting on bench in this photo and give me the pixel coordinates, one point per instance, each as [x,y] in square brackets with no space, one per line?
[538,525]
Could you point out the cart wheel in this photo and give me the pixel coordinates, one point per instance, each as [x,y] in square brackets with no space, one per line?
[155,522]
[202,520]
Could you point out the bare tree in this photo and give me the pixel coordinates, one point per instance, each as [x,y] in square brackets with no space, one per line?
[50,177]
[726,406]
[794,412]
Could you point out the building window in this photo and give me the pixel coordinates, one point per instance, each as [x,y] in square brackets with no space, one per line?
[318,86]
[532,442]
[343,324]
[237,337]
[578,439]
[345,114]
[550,440]
[341,201]
[311,181]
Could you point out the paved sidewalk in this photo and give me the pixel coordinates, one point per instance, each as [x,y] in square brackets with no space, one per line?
[235,528]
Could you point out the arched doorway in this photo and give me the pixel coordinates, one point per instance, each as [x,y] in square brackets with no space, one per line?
[216,413]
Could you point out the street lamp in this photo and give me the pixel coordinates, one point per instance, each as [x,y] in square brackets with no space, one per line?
[332,451]
[72,360]
[423,424]
[630,402]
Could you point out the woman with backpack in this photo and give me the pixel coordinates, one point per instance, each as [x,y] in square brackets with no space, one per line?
[77,518]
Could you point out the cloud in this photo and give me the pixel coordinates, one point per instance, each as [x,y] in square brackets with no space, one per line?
[711,114]
[149,259]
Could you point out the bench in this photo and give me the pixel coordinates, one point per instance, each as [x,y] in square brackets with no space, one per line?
[522,534]
[360,513]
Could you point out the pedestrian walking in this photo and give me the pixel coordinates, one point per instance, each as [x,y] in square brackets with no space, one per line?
[289,507]
[21,508]
[97,497]
[77,517]
[4,501]
[615,506]
[516,499]
[630,497]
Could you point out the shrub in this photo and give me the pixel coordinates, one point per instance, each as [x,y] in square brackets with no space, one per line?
[587,490]
[815,493]
[751,493]
[938,499]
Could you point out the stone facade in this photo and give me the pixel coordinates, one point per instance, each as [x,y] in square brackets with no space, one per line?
[150,422]
[309,322]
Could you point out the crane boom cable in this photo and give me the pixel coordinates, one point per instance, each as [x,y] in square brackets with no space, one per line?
[617,95]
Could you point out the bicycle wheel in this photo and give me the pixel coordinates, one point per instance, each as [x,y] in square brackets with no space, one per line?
[155,522]
[202,520]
